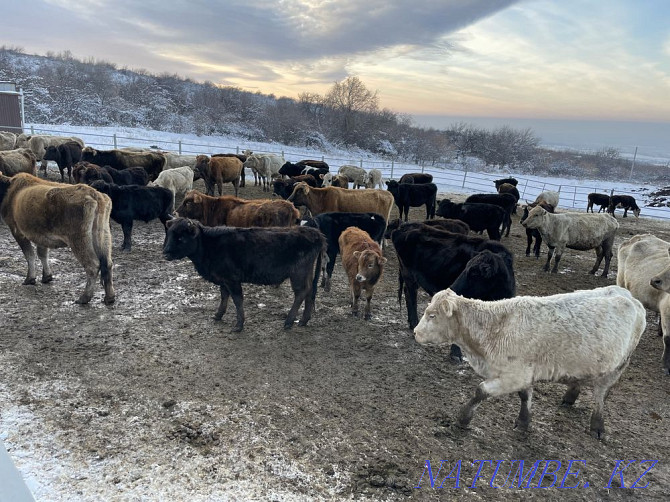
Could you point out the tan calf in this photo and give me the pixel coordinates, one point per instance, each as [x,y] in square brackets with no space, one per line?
[364,264]
[216,171]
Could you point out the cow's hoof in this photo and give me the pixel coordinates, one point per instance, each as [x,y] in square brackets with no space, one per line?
[598,434]
[367,317]
[236,329]
[288,325]
[29,281]
[46,279]
[82,300]
[554,271]
[109,299]
[217,317]
[521,426]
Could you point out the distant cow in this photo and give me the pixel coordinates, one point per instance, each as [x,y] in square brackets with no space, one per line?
[510,181]
[178,180]
[575,231]
[52,215]
[216,171]
[234,212]
[644,269]
[504,200]
[331,199]
[129,176]
[408,195]
[534,233]
[20,160]
[284,188]
[174,160]
[291,169]
[65,155]
[134,202]
[242,158]
[375,179]
[433,259]
[152,162]
[230,257]
[7,140]
[592,335]
[363,263]
[598,199]
[87,173]
[416,178]
[338,180]
[512,190]
[357,175]
[332,225]
[477,215]
[623,201]
[455,226]
[266,166]
[38,143]
[548,197]
[318,173]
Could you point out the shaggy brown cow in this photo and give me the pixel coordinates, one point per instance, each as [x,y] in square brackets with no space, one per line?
[234,212]
[53,215]
[87,173]
[17,161]
[152,162]
[216,171]
[340,200]
[364,264]
[243,159]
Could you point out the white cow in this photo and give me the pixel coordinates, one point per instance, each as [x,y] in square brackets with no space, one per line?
[644,269]
[549,197]
[20,160]
[575,231]
[37,143]
[7,140]
[173,160]
[266,166]
[178,180]
[357,175]
[375,179]
[572,338]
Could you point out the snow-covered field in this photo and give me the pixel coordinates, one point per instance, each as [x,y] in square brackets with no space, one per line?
[464,177]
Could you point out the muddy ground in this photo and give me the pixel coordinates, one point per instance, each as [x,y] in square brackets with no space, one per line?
[151,399]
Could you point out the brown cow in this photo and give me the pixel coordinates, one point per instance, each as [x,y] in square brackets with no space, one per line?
[243,159]
[21,160]
[87,173]
[234,212]
[364,264]
[53,215]
[216,171]
[341,200]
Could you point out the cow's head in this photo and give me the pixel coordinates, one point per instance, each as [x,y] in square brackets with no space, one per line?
[182,238]
[636,212]
[300,194]
[370,266]
[192,206]
[439,323]
[444,208]
[201,164]
[536,218]
[662,280]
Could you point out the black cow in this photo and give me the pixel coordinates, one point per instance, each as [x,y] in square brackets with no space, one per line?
[534,233]
[598,199]
[511,181]
[332,225]
[284,188]
[128,176]
[316,172]
[433,259]
[455,226]
[134,202]
[229,257]
[487,276]
[416,178]
[623,201]
[477,215]
[504,200]
[65,156]
[408,195]
[290,169]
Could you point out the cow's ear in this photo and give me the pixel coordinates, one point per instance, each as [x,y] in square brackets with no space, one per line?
[321,176]
[383,260]
[357,254]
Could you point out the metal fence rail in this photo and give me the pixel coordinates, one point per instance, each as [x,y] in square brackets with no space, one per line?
[455,180]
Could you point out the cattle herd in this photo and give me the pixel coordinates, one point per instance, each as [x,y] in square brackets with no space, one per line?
[585,336]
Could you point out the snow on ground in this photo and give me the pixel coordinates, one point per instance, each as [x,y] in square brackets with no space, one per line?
[464,176]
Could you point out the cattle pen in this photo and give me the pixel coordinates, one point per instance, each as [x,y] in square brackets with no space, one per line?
[152,399]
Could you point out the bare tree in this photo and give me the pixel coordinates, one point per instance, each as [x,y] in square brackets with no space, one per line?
[349,100]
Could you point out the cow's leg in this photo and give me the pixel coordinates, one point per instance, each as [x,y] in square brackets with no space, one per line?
[83,250]
[69,173]
[494,387]
[369,291]
[523,420]
[494,233]
[62,173]
[330,266]
[243,180]
[219,186]
[558,252]
[236,185]
[309,303]
[127,227]
[300,285]
[599,258]
[529,241]
[538,244]
[607,252]
[43,254]
[223,304]
[29,253]
[411,290]
[601,388]
[355,287]
[625,212]
[664,328]
[44,166]
[508,223]
[571,394]
[455,353]
[550,253]
[238,300]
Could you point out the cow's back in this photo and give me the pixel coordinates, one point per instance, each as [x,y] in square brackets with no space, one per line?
[639,259]
[349,201]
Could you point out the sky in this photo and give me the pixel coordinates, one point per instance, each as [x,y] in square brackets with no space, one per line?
[602,60]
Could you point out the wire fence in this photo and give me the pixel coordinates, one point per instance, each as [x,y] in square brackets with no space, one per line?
[572,196]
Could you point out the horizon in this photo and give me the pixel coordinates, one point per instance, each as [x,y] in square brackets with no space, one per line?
[507,58]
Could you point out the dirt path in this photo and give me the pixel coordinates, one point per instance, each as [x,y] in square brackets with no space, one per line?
[151,399]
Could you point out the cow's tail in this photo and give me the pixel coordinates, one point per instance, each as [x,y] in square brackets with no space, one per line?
[102,241]
[317,271]
[401,284]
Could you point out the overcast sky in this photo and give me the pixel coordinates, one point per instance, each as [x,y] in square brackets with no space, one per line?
[568,59]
